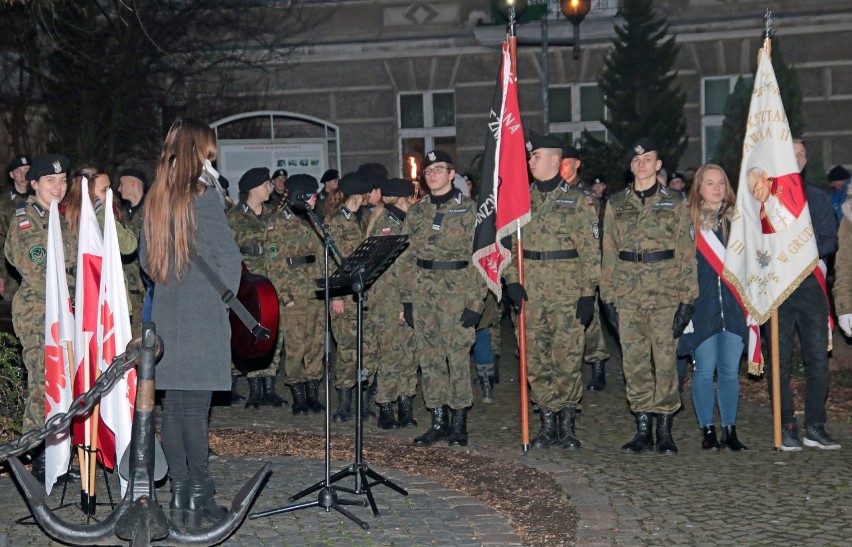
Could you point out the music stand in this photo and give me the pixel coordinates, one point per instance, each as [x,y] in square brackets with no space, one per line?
[355,275]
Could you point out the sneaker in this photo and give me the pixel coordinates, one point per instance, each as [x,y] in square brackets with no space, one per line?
[790,439]
[816,437]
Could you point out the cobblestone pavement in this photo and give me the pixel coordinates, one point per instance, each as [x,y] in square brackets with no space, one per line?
[759,497]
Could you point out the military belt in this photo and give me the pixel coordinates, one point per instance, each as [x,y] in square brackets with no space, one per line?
[442,265]
[297,260]
[252,250]
[653,256]
[551,255]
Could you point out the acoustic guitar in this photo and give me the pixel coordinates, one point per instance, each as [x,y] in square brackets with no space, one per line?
[260,298]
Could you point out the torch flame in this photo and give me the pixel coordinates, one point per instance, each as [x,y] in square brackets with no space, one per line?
[413,165]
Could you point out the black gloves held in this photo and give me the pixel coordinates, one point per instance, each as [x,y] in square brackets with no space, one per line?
[586,309]
[611,314]
[681,318]
[408,313]
[470,318]
[516,293]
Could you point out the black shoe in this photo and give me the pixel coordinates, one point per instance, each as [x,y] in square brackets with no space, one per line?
[344,405]
[567,439]
[300,405]
[790,439]
[202,506]
[598,381]
[485,379]
[255,398]
[709,441]
[312,396]
[38,459]
[405,405]
[665,442]
[235,395]
[386,418]
[367,396]
[269,395]
[643,440]
[548,434]
[180,502]
[458,428]
[816,437]
[729,438]
[438,430]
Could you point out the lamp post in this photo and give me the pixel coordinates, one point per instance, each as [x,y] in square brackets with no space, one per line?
[575,11]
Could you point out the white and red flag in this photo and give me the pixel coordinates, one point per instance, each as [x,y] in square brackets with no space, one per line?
[58,358]
[504,198]
[772,247]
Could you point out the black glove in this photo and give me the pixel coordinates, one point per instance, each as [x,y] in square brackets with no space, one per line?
[586,309]
[470,318]
[408,313]
[516,293]
[611,313]
[681,318]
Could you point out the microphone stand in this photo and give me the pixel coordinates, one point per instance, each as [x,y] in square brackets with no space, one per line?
[327,498]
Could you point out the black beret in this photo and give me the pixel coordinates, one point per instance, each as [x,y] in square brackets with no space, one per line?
[279,173]
[641,146]
[330,174]
[301,184]
[135,173]
[544,141]
[397,188]
[353,184]
[374,172]
[253,178]
[599,179]
[676,175]
[224,183]
[569,151]
[435,156]
[838,172]
[48,164]
[17,161]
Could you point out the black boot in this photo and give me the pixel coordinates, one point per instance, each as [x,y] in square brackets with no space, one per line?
[485,378]
[255,398]
[548,434]
[709,441]
[38,459]
[439,428]
[235,395]
[269,395]
[567,439]
[386,418]
[406,411]
[729,438]
[496,369]
[643,440]
[344,405]
[180,502]
[300,406]
[202,506]
[367,398]
[312,394]
[458,428]
[665,442]
[598,381]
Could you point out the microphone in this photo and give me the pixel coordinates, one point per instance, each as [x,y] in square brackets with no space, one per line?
[301,198]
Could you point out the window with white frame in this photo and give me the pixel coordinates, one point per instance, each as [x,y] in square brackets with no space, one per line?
[427,121]
[575,108]
[714,95]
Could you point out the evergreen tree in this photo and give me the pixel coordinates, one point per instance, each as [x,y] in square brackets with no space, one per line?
[729,148]
[639,84]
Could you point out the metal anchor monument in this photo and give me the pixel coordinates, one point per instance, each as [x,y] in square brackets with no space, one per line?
[138,519]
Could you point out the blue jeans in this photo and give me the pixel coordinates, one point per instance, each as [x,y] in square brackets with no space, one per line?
[482,353]
[720,353]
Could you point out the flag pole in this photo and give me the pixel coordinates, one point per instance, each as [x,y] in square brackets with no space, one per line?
[81,455]
[522,323]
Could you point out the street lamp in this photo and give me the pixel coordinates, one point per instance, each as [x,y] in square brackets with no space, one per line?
[511,10]
[575,11]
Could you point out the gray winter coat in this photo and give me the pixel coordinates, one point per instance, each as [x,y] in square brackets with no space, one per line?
[190,315]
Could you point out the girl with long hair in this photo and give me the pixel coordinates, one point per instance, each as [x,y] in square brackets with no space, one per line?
[184,221]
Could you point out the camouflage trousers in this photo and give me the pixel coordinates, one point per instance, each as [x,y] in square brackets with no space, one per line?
[594,338]
[554,354]
[443,352]
[345,328]
[650,361]
[33,355]
[301,328]
[393,356]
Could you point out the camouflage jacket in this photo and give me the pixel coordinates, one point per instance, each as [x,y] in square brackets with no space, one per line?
[441,233]
[661,224]
[130,262]
[253,234]
[295,256]
[386,287]
[843,268]
[562,220]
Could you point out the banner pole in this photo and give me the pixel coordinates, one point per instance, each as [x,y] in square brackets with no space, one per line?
[776,381]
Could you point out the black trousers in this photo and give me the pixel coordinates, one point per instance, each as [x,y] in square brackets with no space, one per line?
[806,310]
[185,426]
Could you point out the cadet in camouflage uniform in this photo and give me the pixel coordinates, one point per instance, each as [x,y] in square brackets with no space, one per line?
[396,377]
[26,250]
[132,185]
[648,284]
[442,297]
[295,252]
[17,173]
[562,270]
[251,222]
[277,197]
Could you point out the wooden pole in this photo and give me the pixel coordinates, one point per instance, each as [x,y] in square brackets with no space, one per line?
[69,356]
[776,381]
